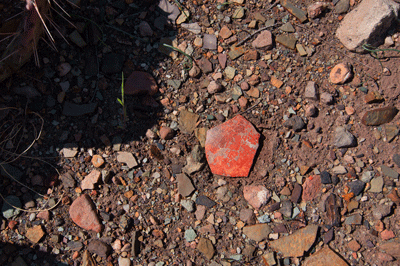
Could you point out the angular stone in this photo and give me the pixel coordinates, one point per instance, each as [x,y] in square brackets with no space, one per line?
[325,257]
[185,186]
[296,193]
[256,196]
[205,201]
[87,259]
[214,87]
[97,160]
[389,172]
[187,121]
[210,42]
[9,211]
[206,247]
[379,116]
[140,83]
[145,29]
[356,186]
[344,139]
[368,23]
[391,132]
[297,243]
[127,158]
[91,179]
[35,234]
[235,52]
[295,122]
[311,187]
[225,32]
[289,41]
[99,248]
[83,213]
[222,60]
[376,185]
[355,219]
[167,133]
[294,10]
[257,232]
[287,27]
[192,27]
[263,40]
[341,73]
[311,91]
[231,147]
[205,65]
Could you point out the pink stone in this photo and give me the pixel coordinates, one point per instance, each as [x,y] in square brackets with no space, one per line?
[90,180]
[263,40]
[256,196]
[83,213]
[166,133]
[387,234]
[45,215]
[139,83]
[231,147]
[312,187]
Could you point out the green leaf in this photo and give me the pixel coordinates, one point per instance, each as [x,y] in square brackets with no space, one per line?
[120,102]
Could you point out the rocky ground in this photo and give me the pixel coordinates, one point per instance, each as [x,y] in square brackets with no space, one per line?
[248,133]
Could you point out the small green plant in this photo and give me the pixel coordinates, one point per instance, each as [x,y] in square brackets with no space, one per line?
[122,101]
[374,52]
[182,52]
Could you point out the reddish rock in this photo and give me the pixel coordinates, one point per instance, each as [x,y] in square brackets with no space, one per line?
[384,257]
[83,213]
[222,60]
[312,187]
[340,73]
[225,32]
[250,55]
[257,232]
[296,244]
[243,102]
[45,215]
[139,83]
[91,179]
[205,65]
[12,224]
[256,196]
[387,234]
[353,245]
[325,257]
[214,87]
[231,147]
[166,133]
[97,161]
[379,116]
[35,233]
[263,40]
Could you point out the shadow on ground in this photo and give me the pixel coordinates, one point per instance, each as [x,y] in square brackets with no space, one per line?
[35,100]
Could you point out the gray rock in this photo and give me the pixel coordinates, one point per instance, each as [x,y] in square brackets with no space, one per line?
[68,181]
[9,211]
[188,205]
[190,235]
[100,248]
[295,122]
[367,23]
[286,208]
[326,98]
[342,6]
[339,170]
[367,176]
[389,172]
[356,186]
[355,219]
[344,139]
[396,159]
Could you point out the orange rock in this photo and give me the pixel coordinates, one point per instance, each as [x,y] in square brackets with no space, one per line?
[340,73]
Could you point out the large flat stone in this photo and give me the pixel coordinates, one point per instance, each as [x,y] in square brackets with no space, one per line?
[297,243]
[231,147]
[325,257]
[368,23]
